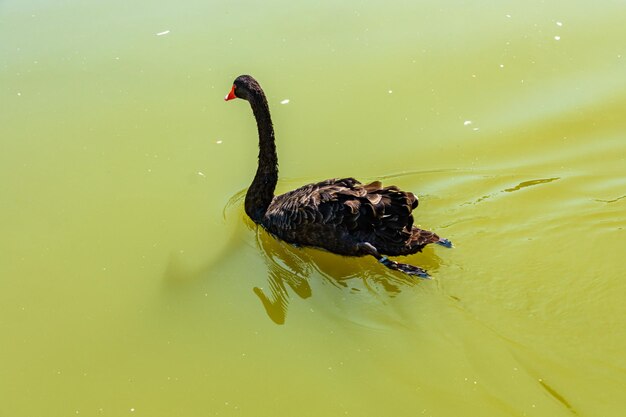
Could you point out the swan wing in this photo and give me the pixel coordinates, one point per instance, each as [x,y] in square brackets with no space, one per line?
[348,204]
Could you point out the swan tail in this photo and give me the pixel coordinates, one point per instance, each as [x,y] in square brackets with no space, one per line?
[445,243]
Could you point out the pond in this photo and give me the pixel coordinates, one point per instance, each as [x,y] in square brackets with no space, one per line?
[132,283]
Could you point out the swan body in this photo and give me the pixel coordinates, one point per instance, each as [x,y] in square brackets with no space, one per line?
[342,216]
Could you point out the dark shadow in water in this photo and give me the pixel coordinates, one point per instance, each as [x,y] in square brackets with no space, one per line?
[560,398]
[290,267]
[531,183]
[611,201]
[518,187]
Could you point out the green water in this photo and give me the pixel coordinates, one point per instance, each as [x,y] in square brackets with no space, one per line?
[132,284]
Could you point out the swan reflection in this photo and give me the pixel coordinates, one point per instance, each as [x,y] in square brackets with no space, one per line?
[289,269]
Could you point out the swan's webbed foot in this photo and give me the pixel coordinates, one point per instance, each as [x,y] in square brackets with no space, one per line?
[367,248]
[406,268]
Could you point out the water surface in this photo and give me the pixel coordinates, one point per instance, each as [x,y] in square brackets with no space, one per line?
[131,282]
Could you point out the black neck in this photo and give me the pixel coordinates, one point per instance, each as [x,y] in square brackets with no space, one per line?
[261,192]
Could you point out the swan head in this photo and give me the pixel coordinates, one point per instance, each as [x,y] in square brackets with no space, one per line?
[244,87]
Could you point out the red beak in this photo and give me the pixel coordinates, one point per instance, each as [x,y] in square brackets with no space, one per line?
[230,95]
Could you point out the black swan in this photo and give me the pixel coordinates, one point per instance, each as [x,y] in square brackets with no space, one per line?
[342,216]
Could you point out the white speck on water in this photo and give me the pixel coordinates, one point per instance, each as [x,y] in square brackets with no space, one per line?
[559,23]
[467,123]
[19,94]
[219,142]
[508,15]
[501,65]
[132,410]
[475,129]
[390,91]
[165,32]
[201,174]
[557,38]
[285,101]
